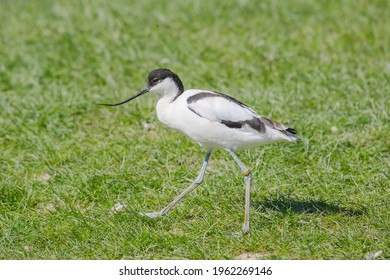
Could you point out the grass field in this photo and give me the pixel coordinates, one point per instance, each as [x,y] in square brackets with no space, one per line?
[322,67]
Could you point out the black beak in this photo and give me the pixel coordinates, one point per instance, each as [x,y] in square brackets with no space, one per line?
[127,100]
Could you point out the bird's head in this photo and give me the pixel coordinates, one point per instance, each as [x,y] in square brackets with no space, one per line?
[162,81]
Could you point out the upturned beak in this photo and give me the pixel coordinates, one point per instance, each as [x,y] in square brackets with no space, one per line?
[127,100]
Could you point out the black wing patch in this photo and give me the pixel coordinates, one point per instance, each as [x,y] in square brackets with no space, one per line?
[205,94]
[200,96]
[254,123]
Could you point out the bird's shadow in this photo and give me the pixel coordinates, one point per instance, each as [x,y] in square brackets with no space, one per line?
[287,205]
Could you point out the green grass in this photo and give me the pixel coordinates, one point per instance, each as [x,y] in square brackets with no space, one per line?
[322,67]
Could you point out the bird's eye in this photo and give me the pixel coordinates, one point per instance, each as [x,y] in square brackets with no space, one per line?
[155,80]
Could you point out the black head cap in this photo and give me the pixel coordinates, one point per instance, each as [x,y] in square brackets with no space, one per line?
[157,75]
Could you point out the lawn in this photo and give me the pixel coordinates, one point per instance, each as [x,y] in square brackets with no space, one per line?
[74,175]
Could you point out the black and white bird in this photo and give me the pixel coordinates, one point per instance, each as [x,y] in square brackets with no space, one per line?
[215,121]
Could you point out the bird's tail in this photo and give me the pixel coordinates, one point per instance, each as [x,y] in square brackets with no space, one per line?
[282,129]
[291,132]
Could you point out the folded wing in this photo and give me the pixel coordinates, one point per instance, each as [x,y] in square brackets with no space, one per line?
[232,113]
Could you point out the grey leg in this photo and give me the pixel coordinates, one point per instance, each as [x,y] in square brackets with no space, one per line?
[194,184]
[247,173]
